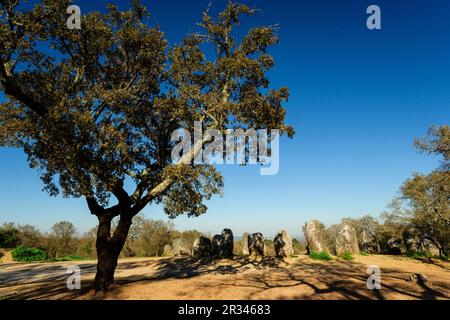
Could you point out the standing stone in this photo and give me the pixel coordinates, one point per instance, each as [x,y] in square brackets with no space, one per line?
[430,247]
[283,245]
[181,247]
[266,248]
[244,241]
[227,243]
[314,235]
[369,243]
[256,244]
[412,241]
[216,244]
[420,279]
[168,251]
[346,240]
[223,244]
[395,246]
[202,247]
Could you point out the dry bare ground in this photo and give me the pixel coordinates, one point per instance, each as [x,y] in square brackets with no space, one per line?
[236,279]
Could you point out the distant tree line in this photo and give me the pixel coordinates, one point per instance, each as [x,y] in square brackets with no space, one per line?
[147,238]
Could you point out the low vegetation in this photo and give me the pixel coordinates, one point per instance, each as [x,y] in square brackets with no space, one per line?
[147,238]
[325,256]
[347,256]
[29,254]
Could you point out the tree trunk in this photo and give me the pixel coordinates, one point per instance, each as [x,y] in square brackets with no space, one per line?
[108,250]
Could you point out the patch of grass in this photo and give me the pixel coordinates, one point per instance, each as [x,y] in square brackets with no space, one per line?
[418,254]
[424,254]
[363,253]
[347,256]
[443,258]
[325,256]
[70,258]
[65,258]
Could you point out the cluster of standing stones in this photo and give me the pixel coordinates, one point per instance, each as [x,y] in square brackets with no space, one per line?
[347,241]
[222,245]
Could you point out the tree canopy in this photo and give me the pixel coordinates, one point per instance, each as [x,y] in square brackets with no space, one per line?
[95,108]
[424,200]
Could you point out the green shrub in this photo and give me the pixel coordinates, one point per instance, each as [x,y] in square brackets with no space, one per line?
[347,256]
[28,254]
[9,236]
[363,253]
[320,256]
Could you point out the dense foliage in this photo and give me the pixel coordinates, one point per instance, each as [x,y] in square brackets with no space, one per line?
[28,254]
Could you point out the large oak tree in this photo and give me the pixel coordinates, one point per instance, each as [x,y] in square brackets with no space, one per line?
[95,108]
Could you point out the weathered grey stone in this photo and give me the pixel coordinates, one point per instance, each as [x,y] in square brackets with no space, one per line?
[346,240]
[181,247]
[227,243]
[395,246]
[283,244]
[418,278]
[223,244]
[412,241]
[266,249]
[244,241]
[369,243]
[256,244]
[216,244]
[168,251]
[202,247]
[430,247]
[314,236]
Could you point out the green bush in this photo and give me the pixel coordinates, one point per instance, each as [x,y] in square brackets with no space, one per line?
[9,236]
[321,256]
[363,253]
[347,256]
[28,254]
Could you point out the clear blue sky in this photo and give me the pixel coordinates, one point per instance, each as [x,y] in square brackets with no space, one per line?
[358,99]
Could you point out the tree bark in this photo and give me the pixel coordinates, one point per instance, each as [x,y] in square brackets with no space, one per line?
[108,250]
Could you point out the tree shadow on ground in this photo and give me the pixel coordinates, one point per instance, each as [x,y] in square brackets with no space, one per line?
[336,279]
[432,262]
[320,280]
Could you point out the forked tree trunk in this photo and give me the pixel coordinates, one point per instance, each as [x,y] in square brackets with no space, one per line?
[108,251]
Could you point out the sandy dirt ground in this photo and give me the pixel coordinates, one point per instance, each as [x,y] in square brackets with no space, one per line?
[6,256]
[235,279]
